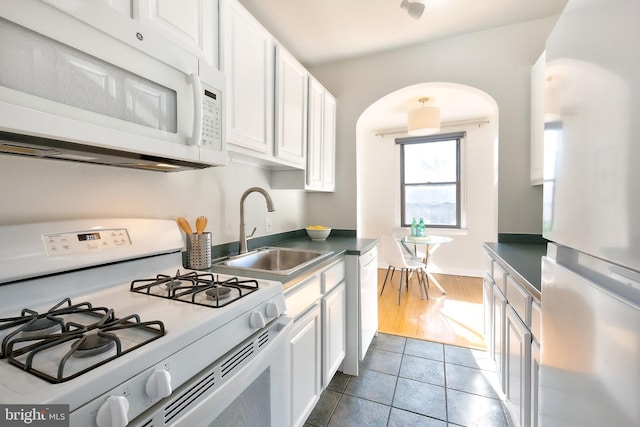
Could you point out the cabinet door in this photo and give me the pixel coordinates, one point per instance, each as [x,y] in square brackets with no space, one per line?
[537,120]
[496,346]
[305,350]
[487,305]
[333,332]
[315,137]
[517,368]
[291,109]
[329,143]
[191,24]
[124,7]
[249,67]
[535,376]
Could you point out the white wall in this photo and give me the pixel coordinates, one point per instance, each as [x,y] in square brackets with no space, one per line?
[46,190]
[496,61]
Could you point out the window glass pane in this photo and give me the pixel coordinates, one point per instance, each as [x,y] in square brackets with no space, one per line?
[435,203]
[430,162]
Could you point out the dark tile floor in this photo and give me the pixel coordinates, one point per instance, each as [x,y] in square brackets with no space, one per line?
[407,382]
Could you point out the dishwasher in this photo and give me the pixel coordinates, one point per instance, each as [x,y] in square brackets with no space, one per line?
[362,307]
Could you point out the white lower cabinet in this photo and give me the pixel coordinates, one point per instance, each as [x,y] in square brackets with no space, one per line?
[535,378]
[512,335]
[517,367]
[305,350]
[318,340]
[496,345]
[487,305]
[333,332]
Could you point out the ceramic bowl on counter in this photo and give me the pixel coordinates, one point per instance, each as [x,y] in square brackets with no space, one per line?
[318,232]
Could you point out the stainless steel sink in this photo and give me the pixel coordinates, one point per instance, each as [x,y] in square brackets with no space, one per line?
[273,260]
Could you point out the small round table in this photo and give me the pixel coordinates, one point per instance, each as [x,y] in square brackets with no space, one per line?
[432,243]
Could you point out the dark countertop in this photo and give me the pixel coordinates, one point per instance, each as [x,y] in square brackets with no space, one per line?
[521,260]
[342,243]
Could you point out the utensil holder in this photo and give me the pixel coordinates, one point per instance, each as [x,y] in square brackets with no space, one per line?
[199,251]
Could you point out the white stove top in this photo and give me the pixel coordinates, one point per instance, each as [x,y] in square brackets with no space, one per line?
[195,335]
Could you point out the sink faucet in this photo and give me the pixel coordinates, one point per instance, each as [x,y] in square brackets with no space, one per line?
[243,236]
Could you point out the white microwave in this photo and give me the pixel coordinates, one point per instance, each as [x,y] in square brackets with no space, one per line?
[72,90]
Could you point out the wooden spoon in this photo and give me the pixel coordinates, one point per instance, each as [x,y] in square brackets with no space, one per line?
[201,224]
[184,225]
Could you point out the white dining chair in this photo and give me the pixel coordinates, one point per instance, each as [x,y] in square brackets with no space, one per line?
[416,254]
[392,255]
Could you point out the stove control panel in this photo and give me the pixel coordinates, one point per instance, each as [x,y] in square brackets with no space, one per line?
[85,241]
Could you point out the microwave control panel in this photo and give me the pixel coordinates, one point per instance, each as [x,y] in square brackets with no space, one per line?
[212,119]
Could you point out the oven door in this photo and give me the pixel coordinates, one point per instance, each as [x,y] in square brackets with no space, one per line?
[68,78]
[248,387]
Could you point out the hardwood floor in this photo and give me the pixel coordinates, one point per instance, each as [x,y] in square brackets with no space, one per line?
[454,318]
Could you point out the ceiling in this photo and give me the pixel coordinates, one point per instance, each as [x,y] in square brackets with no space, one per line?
[322,31]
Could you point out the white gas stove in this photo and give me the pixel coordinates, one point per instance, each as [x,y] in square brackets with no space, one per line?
[100,315]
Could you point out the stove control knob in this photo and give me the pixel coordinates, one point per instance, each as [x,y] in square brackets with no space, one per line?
[159,384]
[113,412]
[256,320]
[272,310]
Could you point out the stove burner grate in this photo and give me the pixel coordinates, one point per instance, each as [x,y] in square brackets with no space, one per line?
[31,324]
[97,338]
[192,285]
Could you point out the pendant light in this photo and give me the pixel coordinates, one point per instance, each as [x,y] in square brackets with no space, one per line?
[424,120]
[415,8]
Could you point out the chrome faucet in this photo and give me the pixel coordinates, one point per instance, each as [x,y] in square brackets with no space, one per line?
[243,236]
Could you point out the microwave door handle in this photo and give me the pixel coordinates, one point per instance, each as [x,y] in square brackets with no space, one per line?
[196,136]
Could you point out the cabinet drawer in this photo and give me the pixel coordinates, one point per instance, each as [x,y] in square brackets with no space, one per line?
[536,319]
[519,299]
[333,276]
[500,277]
[302,296]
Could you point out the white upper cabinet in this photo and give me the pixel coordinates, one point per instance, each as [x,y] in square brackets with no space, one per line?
[319,174]
[322,139]
[270,106]
[124,7]
[291,109]
[537,120]
[191,24]
[329,143]
[248,62]
[315,156]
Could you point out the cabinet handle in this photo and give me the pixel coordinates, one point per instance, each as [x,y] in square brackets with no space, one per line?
[196,136]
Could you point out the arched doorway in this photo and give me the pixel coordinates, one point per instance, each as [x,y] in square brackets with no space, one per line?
[463,108]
